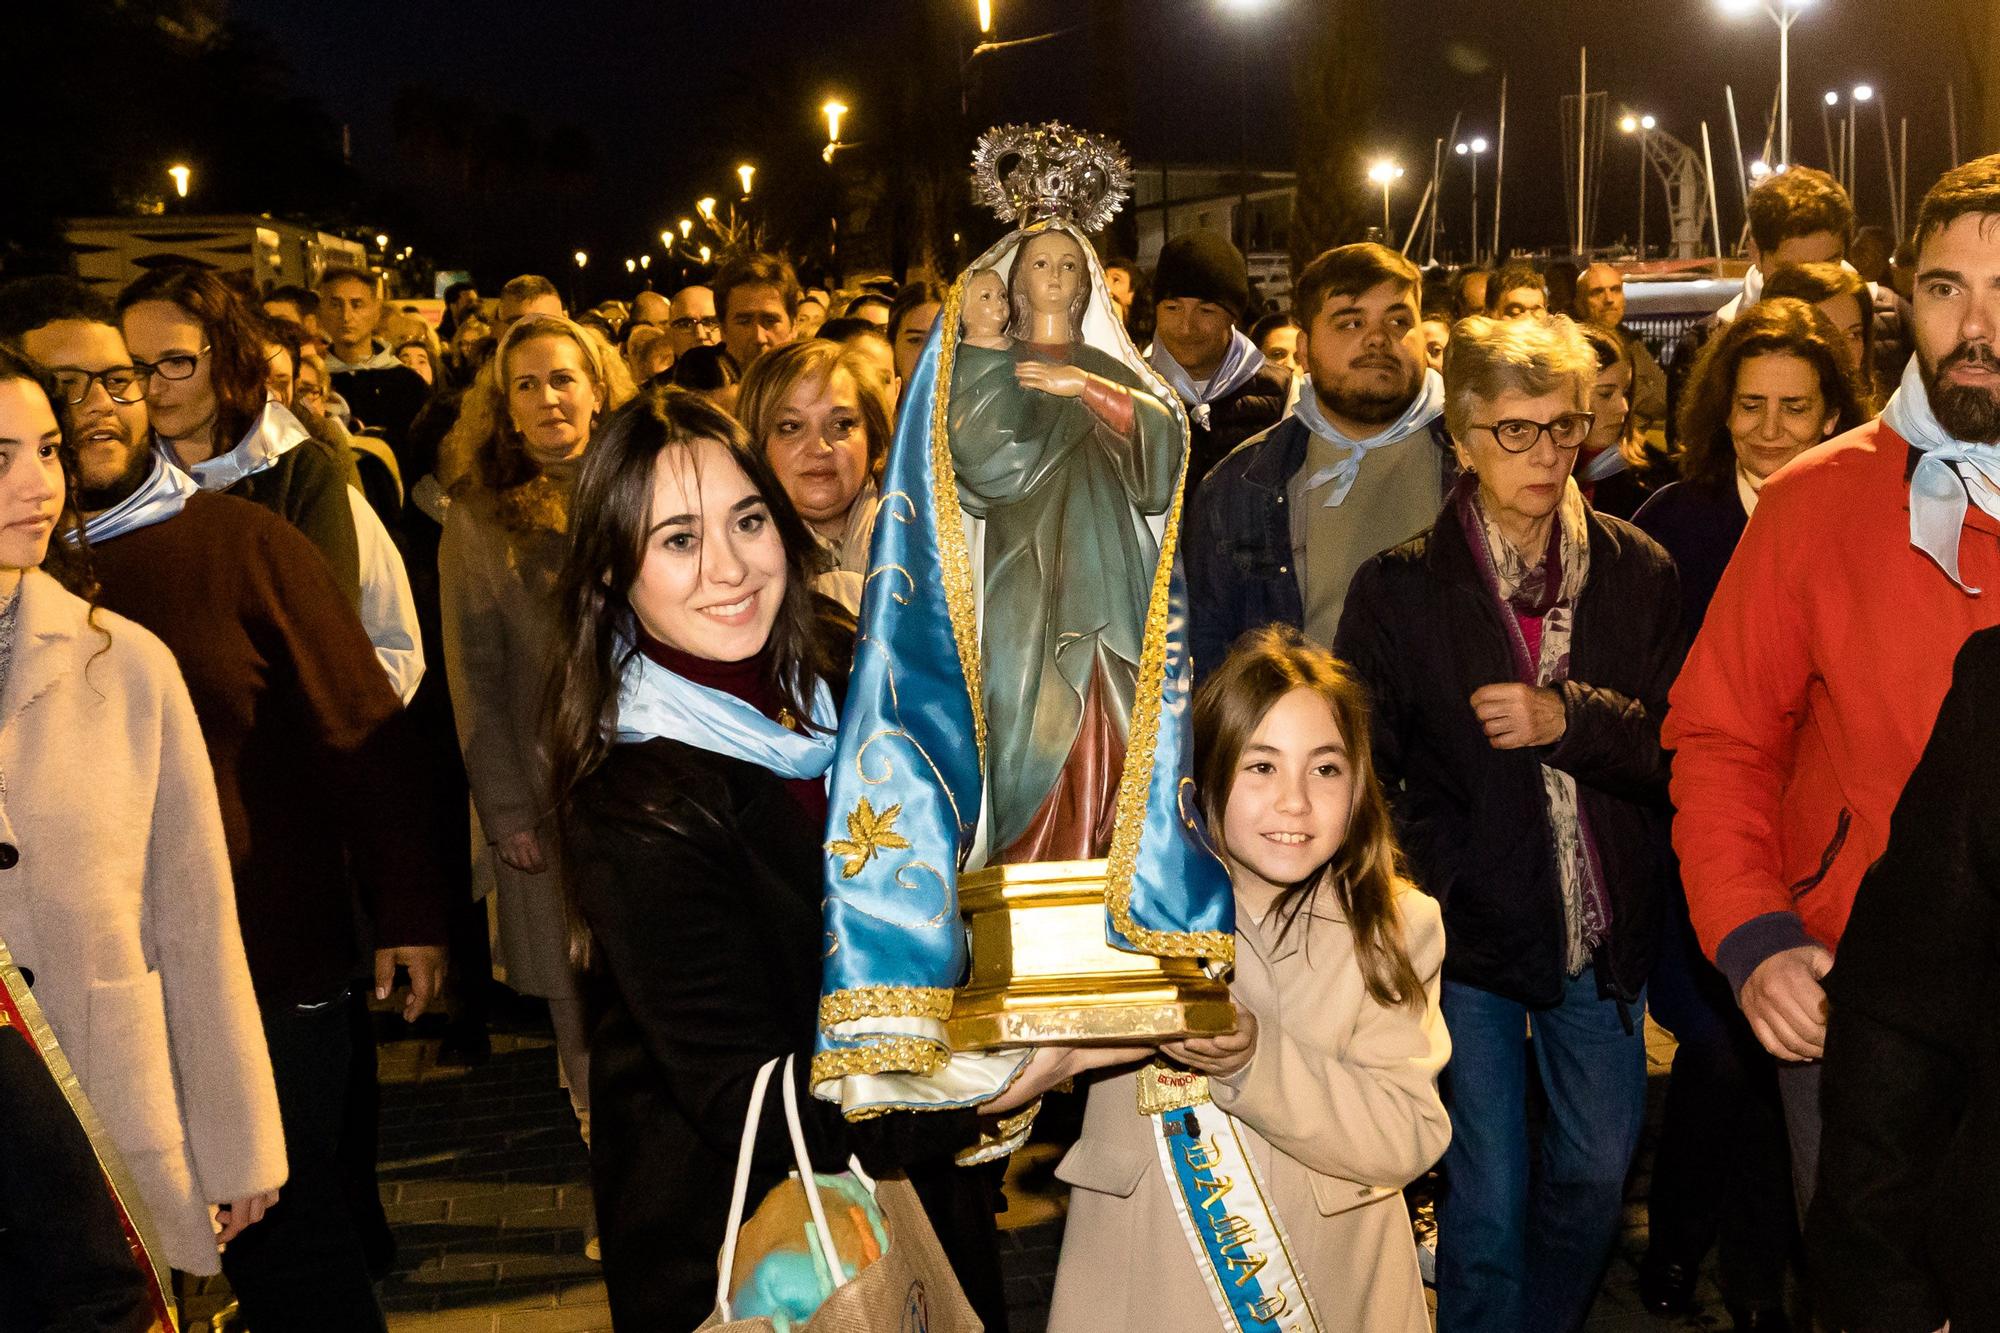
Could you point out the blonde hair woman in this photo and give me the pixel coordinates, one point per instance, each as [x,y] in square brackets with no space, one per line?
[813,411]
[509,466]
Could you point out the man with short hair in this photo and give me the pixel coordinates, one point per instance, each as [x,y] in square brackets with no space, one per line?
[1517,291]
[691,320]
[1202,290]
[1798,216]
[1828,648]
[1277,529]
[1468,291]
[382,394]
[529,294]
[649,307]
[300,305]
[321,789]
[870,308]
[459,298]
[1600,300]
[756,297]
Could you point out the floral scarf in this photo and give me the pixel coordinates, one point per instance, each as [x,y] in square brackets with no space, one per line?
[1548,588]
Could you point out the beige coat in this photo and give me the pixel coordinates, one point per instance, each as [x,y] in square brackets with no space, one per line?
[497,590]
[122,909]
[1340,1110]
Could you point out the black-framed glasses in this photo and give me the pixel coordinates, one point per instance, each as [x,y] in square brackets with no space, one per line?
[125,384]
[1517,435]
[178,367]
[689,323]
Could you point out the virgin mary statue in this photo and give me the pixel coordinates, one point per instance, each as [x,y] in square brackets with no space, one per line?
[1018,708]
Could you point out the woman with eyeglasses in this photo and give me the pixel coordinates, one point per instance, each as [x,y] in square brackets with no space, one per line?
[1518,655]
[813,411]
[213,415]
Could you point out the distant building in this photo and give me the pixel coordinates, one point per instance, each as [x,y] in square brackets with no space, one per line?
[111,251]
[1171,198]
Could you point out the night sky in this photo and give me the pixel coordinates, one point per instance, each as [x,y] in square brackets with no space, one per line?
[670,95]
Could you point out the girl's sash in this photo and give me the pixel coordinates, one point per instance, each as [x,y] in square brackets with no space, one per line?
[20,1013]
[1239,1244]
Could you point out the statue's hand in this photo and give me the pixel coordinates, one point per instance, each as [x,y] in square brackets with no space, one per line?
[1051,377]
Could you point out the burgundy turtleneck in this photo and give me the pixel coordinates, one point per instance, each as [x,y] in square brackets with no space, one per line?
[750,681]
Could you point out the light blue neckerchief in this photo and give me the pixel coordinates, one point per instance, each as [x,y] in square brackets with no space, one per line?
[1949,474]
[655,703]
[1423,409]
[160,496]
[271,436]
[1240,362]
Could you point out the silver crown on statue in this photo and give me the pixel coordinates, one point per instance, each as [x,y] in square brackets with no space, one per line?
[1031,174]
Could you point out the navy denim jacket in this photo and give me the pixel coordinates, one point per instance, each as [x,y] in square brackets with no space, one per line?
[1237,541]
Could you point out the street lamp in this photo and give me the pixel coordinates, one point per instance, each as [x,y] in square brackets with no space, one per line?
[180,174]
[646,261]
[704,254]
[1473,148]
[687,229]
[1384,173]
[706,207]
[667,240]
[985,16]
[581,257]
[382,241]
[833,110]
[1759,169]
[1782,13]
[744,173]
[1641,126]
[631,266]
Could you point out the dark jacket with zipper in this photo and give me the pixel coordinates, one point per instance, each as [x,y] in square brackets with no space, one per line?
[1252,406]
[1423,631]
[699,877]
[1237,541]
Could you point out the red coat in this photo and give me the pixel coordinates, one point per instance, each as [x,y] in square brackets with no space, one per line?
[1809,694]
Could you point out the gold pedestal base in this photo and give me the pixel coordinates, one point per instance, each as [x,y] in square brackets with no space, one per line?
[1042,971]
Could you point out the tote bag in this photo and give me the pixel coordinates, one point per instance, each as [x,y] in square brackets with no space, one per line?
[909,1289]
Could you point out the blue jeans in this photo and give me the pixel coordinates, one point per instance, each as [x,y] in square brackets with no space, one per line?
[1508,1262]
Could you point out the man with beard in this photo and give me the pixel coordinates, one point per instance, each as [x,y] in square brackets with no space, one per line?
[1828,648]
[1277,529]
[321,786]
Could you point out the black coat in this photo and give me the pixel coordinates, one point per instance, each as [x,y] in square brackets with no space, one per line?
[1903,1225]
[1253,406]
[700,880]
[1423,631]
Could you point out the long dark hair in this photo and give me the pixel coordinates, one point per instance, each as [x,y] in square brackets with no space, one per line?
[237,373]
[1783,325]
[1365,874]
[68,564]
[613,511]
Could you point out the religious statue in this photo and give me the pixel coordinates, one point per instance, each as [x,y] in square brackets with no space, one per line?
[1014,854]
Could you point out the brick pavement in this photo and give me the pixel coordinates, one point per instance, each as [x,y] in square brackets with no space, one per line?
[486,1182]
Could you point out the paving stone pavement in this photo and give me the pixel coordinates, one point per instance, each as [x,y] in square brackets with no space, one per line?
[485,1180]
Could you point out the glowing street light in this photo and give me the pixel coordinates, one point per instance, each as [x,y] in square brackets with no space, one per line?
[1385,173]
[631,266]
[1759,169]
[1472,148]
[833,110]
[1641,125]
[582,257]
[706,207]
[1863,93]
[744,173]
[180,173]
[645,261]
[1782,13]
[687,229]
[382,241]
[704,254]
[985,16]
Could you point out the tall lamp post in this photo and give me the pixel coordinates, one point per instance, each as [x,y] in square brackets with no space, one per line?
[1782,13]
[1641,126]
[1385,173]
[1472,148]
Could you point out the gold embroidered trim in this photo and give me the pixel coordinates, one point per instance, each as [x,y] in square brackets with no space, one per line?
[953,557]
[1005,1138]
[890,1055]
[844,1006]
[1123,862]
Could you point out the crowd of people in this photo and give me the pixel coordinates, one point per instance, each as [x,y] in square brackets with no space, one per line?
[1546,681]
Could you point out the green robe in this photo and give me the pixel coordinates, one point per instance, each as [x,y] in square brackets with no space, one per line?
[1069,560]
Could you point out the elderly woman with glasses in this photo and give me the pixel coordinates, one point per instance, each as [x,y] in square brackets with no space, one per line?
[1518,655]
